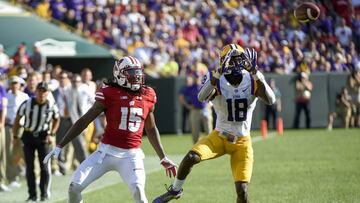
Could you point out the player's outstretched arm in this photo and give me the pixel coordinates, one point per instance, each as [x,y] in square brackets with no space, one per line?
[154,139]
[76,129]
[153,134]
[264,91]
[82,123]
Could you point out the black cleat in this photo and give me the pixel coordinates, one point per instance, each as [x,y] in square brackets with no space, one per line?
[31,199]
[170,194]
[44,198]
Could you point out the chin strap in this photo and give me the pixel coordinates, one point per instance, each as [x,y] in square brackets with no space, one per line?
[132,87]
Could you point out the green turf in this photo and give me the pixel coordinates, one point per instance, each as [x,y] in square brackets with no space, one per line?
[302,166]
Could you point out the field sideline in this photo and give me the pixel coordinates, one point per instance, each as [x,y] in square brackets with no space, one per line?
[301,166]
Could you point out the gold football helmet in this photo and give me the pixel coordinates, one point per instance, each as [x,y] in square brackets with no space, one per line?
[232,61]
[227,48]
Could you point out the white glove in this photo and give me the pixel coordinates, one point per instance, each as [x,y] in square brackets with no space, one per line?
[55,152]
[169,166]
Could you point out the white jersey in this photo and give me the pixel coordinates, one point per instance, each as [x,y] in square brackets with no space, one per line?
[235,105]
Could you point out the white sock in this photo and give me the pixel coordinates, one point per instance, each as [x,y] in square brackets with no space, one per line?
[177,185]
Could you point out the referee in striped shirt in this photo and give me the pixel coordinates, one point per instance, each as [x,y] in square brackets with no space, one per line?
[41,122]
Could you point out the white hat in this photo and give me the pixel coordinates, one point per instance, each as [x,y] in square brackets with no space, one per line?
[193,21]
[16,79]
[284,42]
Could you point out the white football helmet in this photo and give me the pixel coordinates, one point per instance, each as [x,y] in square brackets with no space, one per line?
[129,73]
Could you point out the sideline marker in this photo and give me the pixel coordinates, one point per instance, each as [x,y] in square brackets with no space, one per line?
[263,128]
[280,126]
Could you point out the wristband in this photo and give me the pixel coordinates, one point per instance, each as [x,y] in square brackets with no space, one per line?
[258,76]
[164,159]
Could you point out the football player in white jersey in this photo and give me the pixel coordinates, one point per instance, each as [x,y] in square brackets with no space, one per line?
[234,89]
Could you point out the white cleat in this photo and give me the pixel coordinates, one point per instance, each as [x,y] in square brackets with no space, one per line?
[15,184]
[4,188]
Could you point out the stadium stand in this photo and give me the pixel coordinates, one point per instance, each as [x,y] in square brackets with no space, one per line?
[169,36]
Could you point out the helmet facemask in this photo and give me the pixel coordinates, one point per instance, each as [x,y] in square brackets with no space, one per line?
[233,57]
[128,74]
[236,65]
[134,77]
[238,61]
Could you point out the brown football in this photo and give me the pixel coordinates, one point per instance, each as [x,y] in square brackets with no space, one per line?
[306,12]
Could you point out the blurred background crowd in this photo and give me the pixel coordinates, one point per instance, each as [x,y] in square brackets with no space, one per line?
[182,37]
[73,94]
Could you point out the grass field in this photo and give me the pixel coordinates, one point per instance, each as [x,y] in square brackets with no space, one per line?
[301,166]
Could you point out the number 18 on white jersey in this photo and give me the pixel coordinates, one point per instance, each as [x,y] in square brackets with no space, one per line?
[235,105]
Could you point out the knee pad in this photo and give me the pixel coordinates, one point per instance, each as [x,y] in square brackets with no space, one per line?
[75,188]
[75,193]
[138,193]
[193,157]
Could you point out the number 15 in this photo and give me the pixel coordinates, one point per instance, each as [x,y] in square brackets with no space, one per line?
[133,124]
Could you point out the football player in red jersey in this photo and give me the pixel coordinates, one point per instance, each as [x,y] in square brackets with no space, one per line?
[129,108]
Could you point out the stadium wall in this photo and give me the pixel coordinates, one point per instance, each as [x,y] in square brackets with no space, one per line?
[99,66]
[326,86]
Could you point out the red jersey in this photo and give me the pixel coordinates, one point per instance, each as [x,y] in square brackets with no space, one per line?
[125,114]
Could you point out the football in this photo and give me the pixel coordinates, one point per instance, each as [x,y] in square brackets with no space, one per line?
[306,12]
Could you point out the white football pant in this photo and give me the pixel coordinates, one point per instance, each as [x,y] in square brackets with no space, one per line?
[130,166]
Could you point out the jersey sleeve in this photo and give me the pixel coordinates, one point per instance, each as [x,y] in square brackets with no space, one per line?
[152,99]
[21,110]
[206,78]
[206,82]
[55,111]
[100,96]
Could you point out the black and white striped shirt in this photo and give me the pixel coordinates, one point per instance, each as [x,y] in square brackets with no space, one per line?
[38,116]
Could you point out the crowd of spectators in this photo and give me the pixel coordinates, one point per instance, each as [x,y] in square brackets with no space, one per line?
[73,93]
[181,37]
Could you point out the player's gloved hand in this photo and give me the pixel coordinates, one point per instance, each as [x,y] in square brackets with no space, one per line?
[251,55]
[169,166]
[55,152]
[224,67]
